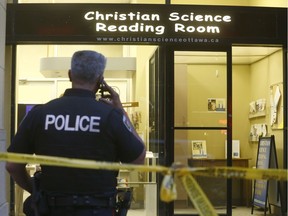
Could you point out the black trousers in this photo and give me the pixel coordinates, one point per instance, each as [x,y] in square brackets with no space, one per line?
[68,210]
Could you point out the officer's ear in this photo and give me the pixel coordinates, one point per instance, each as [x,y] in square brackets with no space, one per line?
[69,75]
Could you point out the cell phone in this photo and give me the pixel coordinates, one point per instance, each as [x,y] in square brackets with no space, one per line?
[102,85]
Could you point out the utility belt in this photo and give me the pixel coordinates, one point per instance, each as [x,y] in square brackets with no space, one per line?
[40,202]
[81,200]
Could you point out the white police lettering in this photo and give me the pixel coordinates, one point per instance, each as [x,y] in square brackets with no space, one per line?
[81,123]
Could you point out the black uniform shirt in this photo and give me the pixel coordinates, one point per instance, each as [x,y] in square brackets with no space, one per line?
[77,126]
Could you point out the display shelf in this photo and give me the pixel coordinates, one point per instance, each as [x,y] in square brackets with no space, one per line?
[257,115]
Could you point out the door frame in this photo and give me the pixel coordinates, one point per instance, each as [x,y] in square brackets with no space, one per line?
[169,112]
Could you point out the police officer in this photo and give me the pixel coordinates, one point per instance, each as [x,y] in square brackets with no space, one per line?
[78,126]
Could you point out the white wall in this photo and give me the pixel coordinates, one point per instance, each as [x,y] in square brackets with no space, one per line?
[3,200]
[28,56]
[264,74]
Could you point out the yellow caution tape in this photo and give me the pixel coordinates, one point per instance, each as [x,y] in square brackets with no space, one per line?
[168,187]
[197,196]
[76,163]
[168,191]
[238,172]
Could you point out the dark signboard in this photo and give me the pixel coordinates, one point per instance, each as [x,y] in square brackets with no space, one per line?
[263,162]
[134,23]
[266,158]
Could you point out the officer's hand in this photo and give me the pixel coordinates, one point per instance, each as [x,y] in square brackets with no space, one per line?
[112,98]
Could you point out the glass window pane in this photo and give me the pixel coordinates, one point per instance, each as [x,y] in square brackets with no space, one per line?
[200,89]
[37,86]
[201,148]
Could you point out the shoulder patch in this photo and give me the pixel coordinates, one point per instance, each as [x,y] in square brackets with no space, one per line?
[127,123]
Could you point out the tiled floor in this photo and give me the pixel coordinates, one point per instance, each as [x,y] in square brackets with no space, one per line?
[238,211]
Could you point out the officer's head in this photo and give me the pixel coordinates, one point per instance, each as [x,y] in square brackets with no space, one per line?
[87,68]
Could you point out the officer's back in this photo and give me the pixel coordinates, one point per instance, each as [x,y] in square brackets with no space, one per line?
[78,126]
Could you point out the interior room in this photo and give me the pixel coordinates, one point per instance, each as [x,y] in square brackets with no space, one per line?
[200,80]
[200,99]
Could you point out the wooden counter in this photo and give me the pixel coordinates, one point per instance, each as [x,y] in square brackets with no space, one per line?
[215,188]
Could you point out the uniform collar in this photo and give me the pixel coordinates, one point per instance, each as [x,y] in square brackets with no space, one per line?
[79,93]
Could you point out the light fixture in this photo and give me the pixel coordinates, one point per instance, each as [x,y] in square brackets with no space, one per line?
[117,67]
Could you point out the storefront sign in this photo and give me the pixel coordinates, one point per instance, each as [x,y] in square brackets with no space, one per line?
[140,26]
[134,23]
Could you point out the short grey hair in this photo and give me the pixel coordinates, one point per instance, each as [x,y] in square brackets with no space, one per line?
[87,65]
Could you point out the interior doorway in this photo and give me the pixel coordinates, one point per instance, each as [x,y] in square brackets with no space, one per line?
[200,120]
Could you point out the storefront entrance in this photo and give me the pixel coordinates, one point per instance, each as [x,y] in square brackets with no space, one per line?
[200,95]
[191,101]
[209,88]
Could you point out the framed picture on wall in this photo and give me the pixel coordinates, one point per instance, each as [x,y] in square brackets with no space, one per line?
[199,149]
[216,104]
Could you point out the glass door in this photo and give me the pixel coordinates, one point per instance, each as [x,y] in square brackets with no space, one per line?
[200,122]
